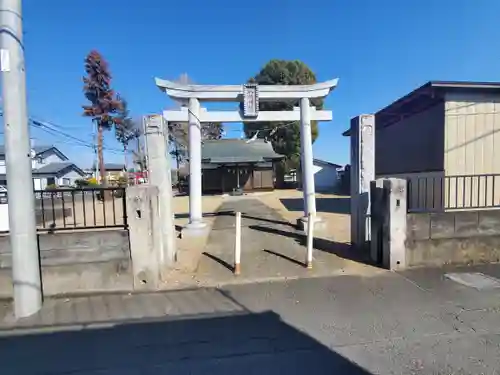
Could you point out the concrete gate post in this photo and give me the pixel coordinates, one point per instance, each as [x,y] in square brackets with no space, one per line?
[362,173]
[155,131]
[394,227]
[143,218]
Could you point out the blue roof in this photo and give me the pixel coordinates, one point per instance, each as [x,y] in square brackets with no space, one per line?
[39,149]
[57,168]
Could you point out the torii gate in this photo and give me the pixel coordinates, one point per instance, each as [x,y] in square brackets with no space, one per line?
[250,94]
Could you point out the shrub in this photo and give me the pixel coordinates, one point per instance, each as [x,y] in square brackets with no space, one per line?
[92,182]
[80,183]
[122,181]
[51,187]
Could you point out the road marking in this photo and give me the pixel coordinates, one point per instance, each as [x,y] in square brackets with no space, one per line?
[475,280]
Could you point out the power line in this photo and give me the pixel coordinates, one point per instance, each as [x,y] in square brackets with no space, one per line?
[71,140]
[48,127]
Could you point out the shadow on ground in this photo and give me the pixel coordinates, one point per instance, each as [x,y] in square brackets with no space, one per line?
[332,205]
[240,343]
[219,260]
[342,250]
[185,215]
[233,213]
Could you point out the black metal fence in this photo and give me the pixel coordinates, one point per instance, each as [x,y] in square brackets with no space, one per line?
[70,209]
[460,192]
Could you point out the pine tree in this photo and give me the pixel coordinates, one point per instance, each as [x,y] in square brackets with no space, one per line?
[103,103]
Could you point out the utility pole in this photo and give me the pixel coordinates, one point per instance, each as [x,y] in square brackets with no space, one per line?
[23,237]
[159,173]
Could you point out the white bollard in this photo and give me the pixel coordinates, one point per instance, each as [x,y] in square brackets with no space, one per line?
[237,245]
[4,217]
[310,239]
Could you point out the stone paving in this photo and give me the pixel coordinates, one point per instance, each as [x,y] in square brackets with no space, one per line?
[414,322]
[272,248]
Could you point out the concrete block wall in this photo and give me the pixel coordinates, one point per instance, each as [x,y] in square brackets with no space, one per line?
[74,262]
[100,260]
[457,237]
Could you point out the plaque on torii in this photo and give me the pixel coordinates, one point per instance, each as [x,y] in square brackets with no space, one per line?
[250,100]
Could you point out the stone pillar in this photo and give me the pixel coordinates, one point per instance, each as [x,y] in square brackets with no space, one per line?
[362,173]
[143,218]
[394,227]
[195,204]
[155,131]
[308,188]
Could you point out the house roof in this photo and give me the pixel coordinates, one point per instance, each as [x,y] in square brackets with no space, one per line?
[57,169]
[324,162]
[41,149]
[233,151]
[112,167]
[425,97]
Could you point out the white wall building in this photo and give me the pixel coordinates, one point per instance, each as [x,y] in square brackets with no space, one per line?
[50,167]
[326,175]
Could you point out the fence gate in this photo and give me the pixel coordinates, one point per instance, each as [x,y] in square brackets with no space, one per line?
[76,209]
[378,207]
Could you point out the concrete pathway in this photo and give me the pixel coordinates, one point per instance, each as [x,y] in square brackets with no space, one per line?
[271,248]
[415,322]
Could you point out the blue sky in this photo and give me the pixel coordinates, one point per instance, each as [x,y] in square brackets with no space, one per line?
[380,50]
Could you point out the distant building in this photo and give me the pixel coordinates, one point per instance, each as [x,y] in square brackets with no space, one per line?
[229,164]
[113,171]
[326,175]
[50,167]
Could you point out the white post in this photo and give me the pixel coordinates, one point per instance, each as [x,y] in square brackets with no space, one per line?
[310,240]
[237,245]
[195,203]
[303,181]
[23,239]
[160,176]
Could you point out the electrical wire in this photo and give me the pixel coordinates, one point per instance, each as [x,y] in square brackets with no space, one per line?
[51,128]
[72,140]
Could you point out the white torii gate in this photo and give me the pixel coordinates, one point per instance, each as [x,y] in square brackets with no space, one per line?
[250,94]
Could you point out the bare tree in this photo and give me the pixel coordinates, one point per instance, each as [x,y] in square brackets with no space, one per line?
[126,129]
[178,132]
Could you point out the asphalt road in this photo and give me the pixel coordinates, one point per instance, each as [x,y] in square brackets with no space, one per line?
[417,322]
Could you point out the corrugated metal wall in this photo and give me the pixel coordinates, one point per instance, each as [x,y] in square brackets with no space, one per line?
[472,147]
[412,145]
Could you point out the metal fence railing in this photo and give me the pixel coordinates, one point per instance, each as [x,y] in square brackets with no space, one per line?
[463,192]
[69,209]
